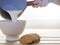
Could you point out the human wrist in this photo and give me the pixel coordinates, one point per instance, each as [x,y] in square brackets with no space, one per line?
[44,2]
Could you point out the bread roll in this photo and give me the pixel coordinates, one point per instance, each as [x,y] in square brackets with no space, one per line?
[29,39]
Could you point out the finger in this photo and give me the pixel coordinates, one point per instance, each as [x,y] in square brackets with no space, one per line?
[35,6]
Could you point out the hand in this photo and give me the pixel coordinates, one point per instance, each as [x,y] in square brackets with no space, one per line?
[36,3]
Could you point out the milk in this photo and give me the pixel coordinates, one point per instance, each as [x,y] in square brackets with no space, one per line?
[14,15]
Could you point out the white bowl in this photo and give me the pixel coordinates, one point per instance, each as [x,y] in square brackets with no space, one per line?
[12,30]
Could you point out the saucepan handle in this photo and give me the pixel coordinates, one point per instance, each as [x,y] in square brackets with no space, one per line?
[30,3]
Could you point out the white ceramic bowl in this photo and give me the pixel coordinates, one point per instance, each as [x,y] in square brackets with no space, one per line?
[12,30]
